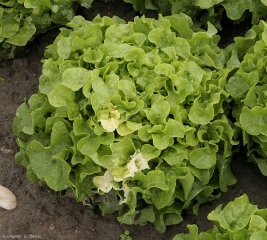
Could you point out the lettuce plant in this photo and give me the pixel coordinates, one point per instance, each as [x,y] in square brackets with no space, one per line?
[238,220]
[202,11]
[132,117]
[20,20]
[248,87]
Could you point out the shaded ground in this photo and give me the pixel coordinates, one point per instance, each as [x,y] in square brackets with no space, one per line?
[44,214]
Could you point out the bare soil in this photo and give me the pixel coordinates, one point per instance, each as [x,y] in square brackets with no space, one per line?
[44,214]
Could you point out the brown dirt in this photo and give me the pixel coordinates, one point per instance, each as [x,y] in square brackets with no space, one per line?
[44,214]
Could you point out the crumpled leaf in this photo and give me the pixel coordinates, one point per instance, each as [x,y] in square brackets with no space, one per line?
[49,163]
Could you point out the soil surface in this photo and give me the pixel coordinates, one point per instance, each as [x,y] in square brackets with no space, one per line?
[44,214]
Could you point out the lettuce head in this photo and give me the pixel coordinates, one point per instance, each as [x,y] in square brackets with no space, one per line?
[131,116]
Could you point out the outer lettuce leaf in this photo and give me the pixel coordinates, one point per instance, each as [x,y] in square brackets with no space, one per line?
[234,218]
[140,113]
[235,10]
[143,6]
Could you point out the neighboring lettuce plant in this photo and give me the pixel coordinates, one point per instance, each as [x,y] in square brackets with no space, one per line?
[131,116]
[20,20]
[202,11]
[238,220]
[248,86]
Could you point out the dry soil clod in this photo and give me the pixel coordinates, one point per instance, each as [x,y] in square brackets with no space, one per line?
[8,200]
